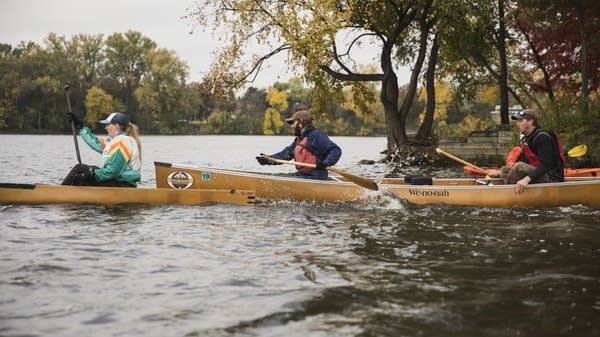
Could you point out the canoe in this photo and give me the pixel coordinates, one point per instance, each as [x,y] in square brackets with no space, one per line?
[583,172]
[417,190]
[265,186]
[58,194]
[573,192]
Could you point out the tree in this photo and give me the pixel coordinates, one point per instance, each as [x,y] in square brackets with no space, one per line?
[473,47]
[253,103]
[320,37]
[368,110]
[425,130]
[561,42]
[162,95]
[125,65]
[278,103]
[98,104]
[297,93]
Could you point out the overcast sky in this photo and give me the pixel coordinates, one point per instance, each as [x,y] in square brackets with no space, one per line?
[160,20]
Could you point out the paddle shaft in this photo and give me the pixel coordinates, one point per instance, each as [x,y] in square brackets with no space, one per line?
[464,162]
[366,183]
[73,125]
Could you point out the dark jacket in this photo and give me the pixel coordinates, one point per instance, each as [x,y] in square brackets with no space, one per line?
[544,144]
[319,144]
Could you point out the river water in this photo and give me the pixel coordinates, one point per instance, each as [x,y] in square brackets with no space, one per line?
[379,268]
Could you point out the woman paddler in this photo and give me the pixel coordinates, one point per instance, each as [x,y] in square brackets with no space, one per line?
[121,154]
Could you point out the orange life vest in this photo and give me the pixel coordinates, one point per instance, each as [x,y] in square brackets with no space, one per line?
[302,154]
[513,156]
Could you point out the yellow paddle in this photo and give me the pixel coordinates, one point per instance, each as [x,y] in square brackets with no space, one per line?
[464,162]
[364,182]
[578,151]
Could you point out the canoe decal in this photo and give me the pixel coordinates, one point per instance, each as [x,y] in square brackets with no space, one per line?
[180,180]
[205,176]
[428,193]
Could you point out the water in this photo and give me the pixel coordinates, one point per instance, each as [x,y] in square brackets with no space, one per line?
[381,268]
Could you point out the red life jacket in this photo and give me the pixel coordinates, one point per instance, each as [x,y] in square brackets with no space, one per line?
[302,154]
[532,158]
[513,156]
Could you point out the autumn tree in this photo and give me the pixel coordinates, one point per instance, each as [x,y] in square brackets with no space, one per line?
[98,104]
[368,110]
[278,103]
[321,37]
[560,39]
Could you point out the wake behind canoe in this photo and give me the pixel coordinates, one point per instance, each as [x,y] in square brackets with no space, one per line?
[59,194]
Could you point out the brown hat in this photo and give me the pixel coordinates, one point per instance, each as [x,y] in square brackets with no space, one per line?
[303,115]
[523,114]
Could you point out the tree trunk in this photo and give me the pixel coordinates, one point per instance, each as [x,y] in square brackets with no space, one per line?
[414,77]
[579,7]
[503,81]
[389,99]
[426,127]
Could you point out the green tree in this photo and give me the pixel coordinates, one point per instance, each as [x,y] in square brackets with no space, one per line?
[124,67]
[163,94]
[219,121]
[98,104]
[253,103]
[31,90]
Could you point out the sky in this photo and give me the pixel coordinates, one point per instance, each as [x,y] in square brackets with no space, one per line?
[160,20]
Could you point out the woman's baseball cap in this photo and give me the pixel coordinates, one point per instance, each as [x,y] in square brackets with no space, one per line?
[116,118]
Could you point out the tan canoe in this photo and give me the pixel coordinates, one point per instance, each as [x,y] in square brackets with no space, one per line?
[265,186]
[58,194]
[418,190]
[575,192]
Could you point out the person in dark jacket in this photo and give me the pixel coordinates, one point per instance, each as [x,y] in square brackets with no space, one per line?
[541,159]
[310,146]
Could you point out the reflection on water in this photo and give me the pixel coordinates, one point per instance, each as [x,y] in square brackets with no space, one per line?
[378,268]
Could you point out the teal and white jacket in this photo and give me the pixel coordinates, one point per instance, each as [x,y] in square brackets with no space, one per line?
[120,157]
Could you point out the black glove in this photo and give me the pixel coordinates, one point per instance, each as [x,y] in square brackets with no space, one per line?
[91,172]
[80,168]
[321,165]
[262,160]
[75,120]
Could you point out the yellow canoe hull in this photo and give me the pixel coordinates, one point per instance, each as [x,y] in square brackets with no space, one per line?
[58,194]
[578,192]
[265,186]
[451,191]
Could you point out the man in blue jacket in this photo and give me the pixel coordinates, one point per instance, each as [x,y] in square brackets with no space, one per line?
[310,146]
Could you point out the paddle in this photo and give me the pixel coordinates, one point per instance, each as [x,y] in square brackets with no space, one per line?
[364,182]
[577,151]
[440,151]
[72,125]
